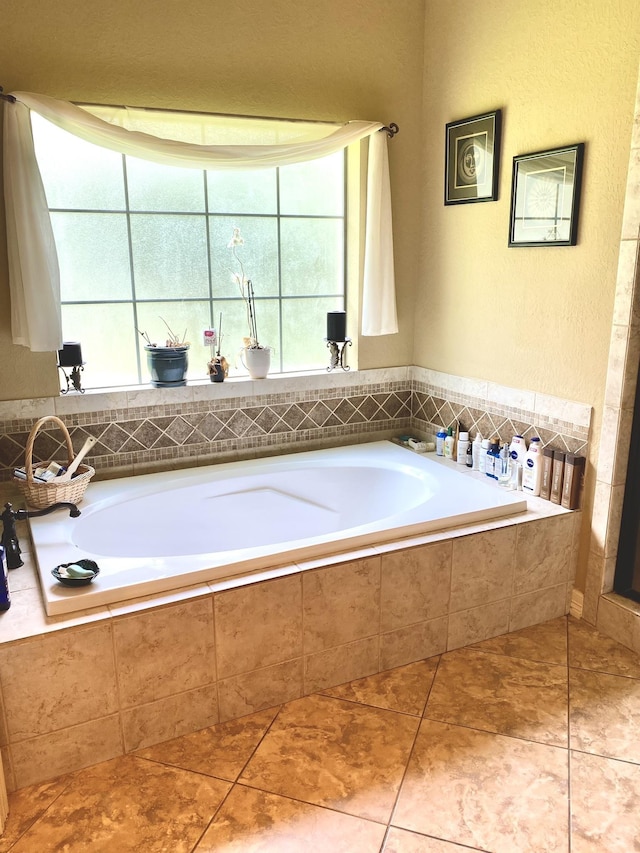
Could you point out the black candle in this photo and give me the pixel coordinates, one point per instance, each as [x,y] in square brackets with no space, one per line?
[70,355]
[336,325]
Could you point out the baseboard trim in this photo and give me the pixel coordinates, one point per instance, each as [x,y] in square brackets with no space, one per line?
[577,603]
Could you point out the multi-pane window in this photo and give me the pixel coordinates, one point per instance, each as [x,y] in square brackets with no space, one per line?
[140,244]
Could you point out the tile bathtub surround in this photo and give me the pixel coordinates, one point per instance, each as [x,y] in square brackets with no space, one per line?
[151,428]
[617,420]
[132,678]
[503,747]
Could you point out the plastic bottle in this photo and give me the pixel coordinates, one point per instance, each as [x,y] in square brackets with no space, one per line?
[440,437]
[557,477]
[493,459]
[532,471]
[482,460]
[547,471]
[469,455]
[463,444]
[504,475]
[449,443]
[518,449]
[573,473]
[476,449]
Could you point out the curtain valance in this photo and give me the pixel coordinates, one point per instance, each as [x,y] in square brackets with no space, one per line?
[33,264]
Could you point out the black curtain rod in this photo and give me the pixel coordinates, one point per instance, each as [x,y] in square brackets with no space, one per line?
[391,129]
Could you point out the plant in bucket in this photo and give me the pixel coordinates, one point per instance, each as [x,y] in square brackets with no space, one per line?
[254,356]
[167,363]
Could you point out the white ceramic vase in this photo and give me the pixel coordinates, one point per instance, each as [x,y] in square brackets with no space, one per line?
[257,361]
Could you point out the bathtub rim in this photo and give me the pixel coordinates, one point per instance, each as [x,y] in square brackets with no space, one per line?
[62,602]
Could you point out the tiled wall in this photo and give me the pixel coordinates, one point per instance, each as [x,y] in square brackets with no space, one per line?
[142,429]
[616,616]
[76,696]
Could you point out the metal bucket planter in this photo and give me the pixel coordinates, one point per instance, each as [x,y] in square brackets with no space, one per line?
[168,366]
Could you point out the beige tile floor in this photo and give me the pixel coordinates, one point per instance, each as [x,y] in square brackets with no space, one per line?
[528,742]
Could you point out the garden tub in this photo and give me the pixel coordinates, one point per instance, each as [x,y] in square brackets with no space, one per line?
[158,532]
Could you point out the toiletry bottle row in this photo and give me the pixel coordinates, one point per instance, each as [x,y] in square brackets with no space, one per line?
[551,474]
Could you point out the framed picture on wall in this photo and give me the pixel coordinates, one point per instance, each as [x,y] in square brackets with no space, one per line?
[472,155]
[545,197]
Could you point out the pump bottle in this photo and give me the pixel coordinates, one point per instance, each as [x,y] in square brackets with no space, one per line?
[532,471]
[449,444]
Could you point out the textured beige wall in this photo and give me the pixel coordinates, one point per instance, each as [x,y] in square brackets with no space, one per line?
[317,59]
[563,71]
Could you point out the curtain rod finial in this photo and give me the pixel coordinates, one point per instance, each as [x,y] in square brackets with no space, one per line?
[391,130]
[3,97]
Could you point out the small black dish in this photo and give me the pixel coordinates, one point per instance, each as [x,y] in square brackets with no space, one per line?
[86,564]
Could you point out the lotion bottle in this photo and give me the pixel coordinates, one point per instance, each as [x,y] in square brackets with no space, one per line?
[518,449]
[440,437]
[532,470]
[449,443]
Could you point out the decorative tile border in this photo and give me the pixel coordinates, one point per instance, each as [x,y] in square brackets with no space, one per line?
[144,428]
[498,410]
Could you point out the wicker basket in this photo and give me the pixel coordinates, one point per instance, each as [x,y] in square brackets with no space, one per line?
[43,495]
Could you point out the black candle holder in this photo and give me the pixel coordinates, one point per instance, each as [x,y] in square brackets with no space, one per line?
[338,354]
[73,379]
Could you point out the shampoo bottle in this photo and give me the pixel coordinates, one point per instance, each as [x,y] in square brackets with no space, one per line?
[532,470]
[547,468]
[557,476]
[440,437]
[573,471]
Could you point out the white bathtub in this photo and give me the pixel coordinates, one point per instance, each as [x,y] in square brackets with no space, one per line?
[159,532]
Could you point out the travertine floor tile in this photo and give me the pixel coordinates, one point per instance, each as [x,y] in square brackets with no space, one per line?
[546,642]
[127,804]
[404,688]
[403,841]
[589,649]
[221,750]
[485,790]
[26,806]
[252,821]
[501,694]
[604,714]
[604,804]
[336,754]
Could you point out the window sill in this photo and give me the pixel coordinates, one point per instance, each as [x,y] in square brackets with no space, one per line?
[203,390]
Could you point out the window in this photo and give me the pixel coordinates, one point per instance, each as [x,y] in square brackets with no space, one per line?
[139,243]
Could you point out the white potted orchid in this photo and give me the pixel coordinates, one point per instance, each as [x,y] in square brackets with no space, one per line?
[255,357]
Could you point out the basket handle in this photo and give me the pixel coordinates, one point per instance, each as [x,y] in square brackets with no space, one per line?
[28,455]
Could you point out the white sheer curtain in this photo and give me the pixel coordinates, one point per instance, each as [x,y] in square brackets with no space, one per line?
[33,264]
